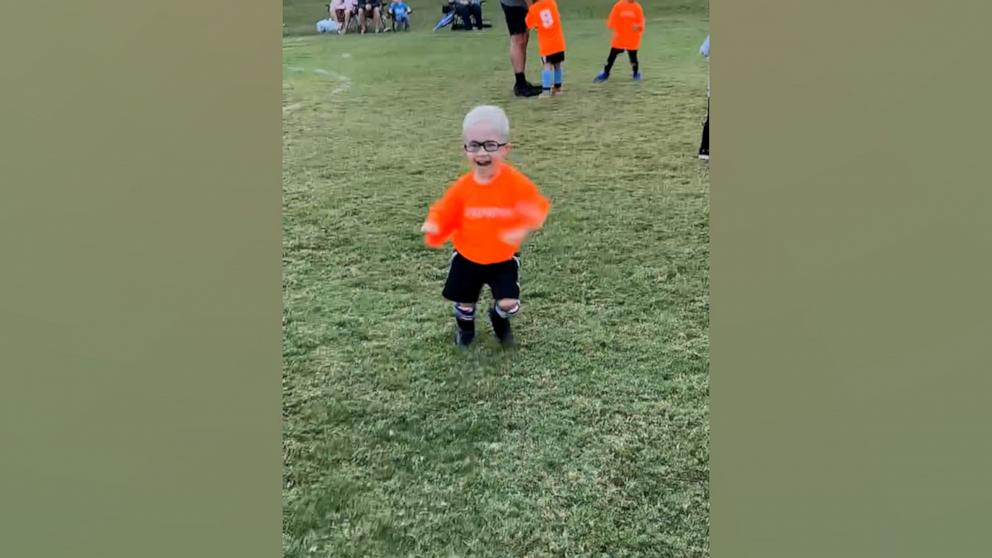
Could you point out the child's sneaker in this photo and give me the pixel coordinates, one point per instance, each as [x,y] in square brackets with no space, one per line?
[556,92]
[546,93]
[637,76]
[603,76]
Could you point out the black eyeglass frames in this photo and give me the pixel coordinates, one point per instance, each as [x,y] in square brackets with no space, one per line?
[488,146]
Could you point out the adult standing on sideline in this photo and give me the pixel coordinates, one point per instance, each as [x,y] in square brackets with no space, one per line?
[516,23]
[704,147]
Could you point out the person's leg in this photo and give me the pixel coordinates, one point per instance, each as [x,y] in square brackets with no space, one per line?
[504,281]
[605,74]
[464,15]
[518,53]
[632,54]
[377,19]
[465,320]
[361,19]
[547,78]
[704,146]
[559,76]
[476,11]
[463,286]
[500,315]
[519,37]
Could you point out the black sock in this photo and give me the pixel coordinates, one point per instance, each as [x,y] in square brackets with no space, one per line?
[632,54]
[467,328]
[521,79]
[611,59]
[501,325]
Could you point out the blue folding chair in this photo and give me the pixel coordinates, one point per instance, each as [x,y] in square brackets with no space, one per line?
[450,16]
[445,20]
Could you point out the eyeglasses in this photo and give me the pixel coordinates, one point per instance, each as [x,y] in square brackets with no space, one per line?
[489,146]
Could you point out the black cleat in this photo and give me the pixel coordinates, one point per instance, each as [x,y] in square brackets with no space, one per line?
[463,339]
[507,341]
[527,90]
[501,327]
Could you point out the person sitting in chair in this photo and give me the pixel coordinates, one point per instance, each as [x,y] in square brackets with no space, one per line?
[470,11]
[400,12]
[341,11]
[373,9]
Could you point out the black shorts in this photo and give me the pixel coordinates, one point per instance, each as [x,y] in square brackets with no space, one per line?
[466,279]
[516,19]
[375,4]
[556,58]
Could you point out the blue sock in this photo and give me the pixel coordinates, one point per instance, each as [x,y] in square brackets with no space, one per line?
[546,79]
[558,74]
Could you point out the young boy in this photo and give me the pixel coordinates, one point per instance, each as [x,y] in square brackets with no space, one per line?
[627,22]
[400,12]
[487,213]
[543,15]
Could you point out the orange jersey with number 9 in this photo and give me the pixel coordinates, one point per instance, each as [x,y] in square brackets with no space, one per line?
[543,15]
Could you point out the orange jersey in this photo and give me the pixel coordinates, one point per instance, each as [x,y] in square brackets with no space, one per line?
[624,18]
[543,15]
[477,216]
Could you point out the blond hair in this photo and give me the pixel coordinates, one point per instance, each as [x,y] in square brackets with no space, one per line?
[490,115]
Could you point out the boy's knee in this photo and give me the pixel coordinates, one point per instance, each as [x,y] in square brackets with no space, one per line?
[507,307]
[464,312]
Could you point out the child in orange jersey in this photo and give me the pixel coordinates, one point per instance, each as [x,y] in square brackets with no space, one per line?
[543,15]
[627,22]
[487,213]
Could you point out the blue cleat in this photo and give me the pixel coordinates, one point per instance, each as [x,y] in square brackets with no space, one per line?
[637,76]
[603,76]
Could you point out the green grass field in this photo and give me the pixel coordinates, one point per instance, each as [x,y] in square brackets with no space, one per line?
[592,438]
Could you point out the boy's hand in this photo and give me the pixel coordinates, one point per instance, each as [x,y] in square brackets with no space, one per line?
[513,236]
[430,227]
[637,28]
[531,212]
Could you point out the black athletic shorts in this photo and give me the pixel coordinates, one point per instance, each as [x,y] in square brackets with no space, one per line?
[516,19]
[556,58]
[466,279]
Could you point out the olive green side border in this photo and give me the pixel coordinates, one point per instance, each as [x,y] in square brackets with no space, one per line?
[140,287]
[850,309]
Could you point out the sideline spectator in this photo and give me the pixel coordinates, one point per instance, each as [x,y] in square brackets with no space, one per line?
[470,12]
[342,11]
[373,9]
[399,12]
